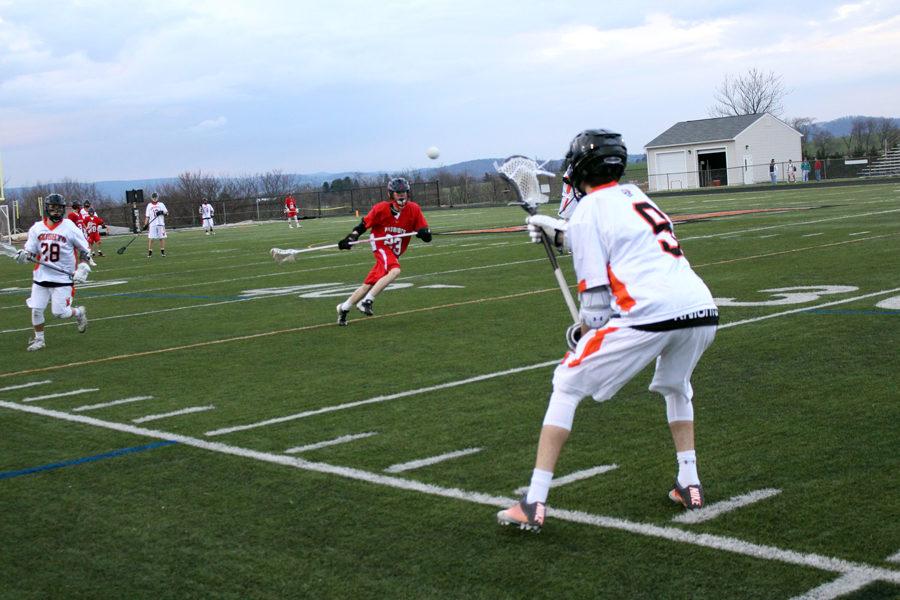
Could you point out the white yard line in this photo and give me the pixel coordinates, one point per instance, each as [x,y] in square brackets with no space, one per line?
[60,395]
[859,233]
[768,236]
[797,224]
[25,385]
[379,399]
[572,477]
[433,460]
[706,540]
[843,585]
[113,403]
[711,511]
[811,234]
[292,291]
[175,413]
[894,558]
[332,442]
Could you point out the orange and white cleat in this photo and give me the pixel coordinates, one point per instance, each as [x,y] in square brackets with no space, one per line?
[529,517]
[690,496]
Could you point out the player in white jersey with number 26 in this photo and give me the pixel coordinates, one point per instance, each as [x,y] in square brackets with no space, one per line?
[54,241]
[640,302]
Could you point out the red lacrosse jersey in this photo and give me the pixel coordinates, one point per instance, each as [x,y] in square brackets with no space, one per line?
[92,225]
[383,221]
[290,206]
[76,218]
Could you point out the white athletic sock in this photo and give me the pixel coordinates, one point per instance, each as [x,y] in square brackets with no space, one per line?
[38,335]
[369,297]
[346,305]
[540,486]
[687,468]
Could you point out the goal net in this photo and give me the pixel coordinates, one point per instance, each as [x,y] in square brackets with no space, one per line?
[5,229]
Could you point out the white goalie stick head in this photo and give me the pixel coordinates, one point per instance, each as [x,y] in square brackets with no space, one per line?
[522,173]
[8,250]
[282,256]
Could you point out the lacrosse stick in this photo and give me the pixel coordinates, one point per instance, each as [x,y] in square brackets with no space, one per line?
[522,172]
[287,255]
[125,247]
[81,272]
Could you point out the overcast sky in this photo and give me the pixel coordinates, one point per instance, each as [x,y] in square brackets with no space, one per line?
[97,90]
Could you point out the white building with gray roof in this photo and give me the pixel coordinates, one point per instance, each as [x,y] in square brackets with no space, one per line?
[721,151]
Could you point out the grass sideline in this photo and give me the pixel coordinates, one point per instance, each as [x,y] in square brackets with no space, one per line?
[458,357]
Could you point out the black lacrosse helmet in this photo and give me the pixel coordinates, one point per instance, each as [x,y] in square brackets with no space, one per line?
[76,204]
[55,207]
[597,156]
[398,185]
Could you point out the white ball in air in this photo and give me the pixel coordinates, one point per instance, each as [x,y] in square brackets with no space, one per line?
[432,152]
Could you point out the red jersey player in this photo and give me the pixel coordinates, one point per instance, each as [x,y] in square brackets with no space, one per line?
[75,215]
[92,227]
[395,216]
[290,211]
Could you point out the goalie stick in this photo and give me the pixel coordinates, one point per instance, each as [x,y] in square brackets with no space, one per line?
[521,172]
[11,251]
[282,255]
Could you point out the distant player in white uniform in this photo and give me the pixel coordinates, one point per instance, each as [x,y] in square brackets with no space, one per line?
[54,240]
[206,214]
[155,223]
[570,196]
[640,302]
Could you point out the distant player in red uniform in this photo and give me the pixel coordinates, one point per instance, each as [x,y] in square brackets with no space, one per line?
[92,226]
[395,216]
[290,211]
[75,215]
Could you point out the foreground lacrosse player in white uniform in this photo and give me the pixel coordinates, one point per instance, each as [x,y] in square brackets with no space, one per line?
[640,301]
[54,241]
[155,223]
[206,213]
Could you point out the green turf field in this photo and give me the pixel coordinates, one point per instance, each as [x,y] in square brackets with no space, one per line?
[296,463]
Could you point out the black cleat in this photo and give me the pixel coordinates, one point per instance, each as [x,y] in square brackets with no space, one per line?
[342,315]
[690,496]
[365,307]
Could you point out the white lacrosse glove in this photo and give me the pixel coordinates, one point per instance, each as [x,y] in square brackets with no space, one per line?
[554,229]
[22,257]
[81,273]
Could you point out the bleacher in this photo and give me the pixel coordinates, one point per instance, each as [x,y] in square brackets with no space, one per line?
[887,165]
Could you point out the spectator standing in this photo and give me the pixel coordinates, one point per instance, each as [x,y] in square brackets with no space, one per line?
[804,167]
[773,172]
[818,167]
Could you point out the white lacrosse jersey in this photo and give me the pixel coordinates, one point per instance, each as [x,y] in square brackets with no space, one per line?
[620,238]
[150,213]
[206,211]
[56,244]
[84,214]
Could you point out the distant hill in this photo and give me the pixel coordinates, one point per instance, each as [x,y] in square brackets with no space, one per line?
[115,189]
[841,127]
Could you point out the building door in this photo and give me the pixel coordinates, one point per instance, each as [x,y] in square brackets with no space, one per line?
[748,169]
[711,166]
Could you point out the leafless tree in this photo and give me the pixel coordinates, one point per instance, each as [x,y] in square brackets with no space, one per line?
[276,184]
[752,93]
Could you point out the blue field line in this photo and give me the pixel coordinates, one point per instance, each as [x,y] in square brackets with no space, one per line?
[850,311]
[86,459]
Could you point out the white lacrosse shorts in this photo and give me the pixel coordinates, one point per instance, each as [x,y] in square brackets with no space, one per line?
[606,359]
[61,298]
[156,232]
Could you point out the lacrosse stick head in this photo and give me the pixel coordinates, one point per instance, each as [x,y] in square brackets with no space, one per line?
[522,172]
[282,256]
[8,250]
